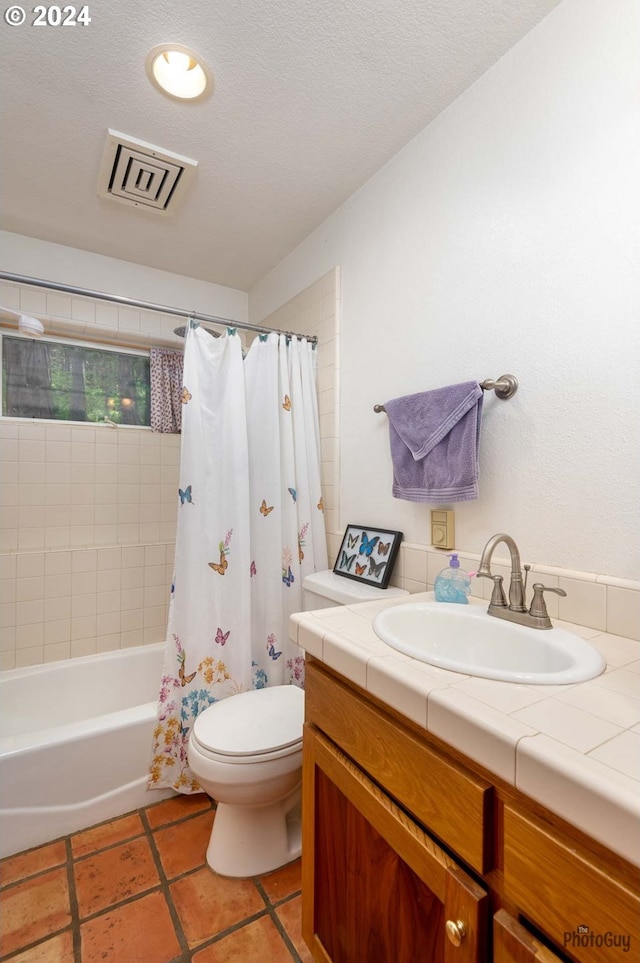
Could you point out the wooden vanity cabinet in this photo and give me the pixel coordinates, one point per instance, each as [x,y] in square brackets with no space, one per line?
[410,854]
[512,943]
[379,888]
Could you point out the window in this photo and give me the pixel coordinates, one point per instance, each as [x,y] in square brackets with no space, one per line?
[68,381]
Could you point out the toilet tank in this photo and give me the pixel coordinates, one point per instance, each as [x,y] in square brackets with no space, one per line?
[324,590]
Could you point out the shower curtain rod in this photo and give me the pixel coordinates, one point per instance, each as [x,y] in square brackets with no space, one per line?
[147,305]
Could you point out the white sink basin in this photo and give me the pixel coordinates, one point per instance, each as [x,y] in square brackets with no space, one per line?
[464,638]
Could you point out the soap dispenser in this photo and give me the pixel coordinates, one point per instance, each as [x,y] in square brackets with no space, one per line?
[452,585]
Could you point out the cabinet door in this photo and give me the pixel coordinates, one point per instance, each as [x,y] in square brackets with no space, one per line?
[573,900]
[512,943]
[376,888]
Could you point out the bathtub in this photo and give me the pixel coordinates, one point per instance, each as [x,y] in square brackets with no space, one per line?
[75,743]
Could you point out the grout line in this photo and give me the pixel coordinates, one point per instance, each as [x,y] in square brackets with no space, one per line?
[119,904]
[73,904]
[4,890]
[34,946]
[174,822]
[165,887]
[277,922]
[287,899]
[72,926]
[105,849]
[211,940]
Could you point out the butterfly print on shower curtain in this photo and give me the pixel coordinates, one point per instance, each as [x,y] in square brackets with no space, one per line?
[288,578]
[271,648]
[221,637]
[184,679]
[220,567]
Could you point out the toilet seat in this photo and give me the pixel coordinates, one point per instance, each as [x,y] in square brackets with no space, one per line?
[254,726]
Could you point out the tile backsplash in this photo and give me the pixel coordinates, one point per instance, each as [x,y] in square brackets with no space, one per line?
[599,602]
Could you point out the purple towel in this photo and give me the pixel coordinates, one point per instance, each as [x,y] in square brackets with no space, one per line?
[434,443]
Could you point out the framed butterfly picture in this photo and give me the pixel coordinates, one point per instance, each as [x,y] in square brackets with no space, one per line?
[368,554]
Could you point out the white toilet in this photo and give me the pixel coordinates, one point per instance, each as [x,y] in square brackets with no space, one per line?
[246,753]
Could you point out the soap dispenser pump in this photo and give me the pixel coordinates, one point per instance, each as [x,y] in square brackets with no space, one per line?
[452,585]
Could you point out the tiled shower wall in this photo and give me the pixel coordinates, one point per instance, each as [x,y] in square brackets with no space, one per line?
[63,604]
[88,512]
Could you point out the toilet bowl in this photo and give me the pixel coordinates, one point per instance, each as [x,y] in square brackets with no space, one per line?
[246,753]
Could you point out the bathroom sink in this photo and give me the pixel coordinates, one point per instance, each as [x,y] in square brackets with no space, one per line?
[464,638]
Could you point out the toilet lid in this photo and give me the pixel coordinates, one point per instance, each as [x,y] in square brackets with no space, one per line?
[253,723]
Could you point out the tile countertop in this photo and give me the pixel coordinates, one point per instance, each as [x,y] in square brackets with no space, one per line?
[573,748]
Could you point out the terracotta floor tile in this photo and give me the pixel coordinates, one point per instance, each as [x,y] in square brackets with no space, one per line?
[26,864]
[283,882]
[177,807]
[290,915]
[34,909]
[207,903]
[116,831]
[257,941]
[114,875]
[183,846]
[140,932]
[56,950]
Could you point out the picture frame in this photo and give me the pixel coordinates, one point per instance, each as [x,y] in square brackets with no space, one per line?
[367,554]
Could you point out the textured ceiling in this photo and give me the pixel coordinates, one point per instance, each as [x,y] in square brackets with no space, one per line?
[311,99]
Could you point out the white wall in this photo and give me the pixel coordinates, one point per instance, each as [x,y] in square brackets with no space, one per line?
[82,269]
[505,238]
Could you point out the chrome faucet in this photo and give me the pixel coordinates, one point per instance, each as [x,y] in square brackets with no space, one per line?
[537,616]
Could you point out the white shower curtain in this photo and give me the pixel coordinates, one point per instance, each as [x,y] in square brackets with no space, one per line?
[250,527]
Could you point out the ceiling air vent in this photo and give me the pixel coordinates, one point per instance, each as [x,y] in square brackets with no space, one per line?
[141,175]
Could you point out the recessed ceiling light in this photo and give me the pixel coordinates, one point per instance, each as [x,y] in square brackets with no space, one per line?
[179,72]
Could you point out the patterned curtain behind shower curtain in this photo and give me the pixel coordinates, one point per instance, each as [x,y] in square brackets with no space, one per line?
[250,527]
[165,376]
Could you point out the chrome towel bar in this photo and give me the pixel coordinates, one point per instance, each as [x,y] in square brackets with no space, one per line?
[505,387]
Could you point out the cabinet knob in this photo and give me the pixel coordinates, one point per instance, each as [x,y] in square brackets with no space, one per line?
[456,931]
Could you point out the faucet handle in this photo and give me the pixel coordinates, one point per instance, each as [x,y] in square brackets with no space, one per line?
[527,569]
[538,605]
[497,596]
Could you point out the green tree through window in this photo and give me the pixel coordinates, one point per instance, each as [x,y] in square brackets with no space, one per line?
[69,382]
